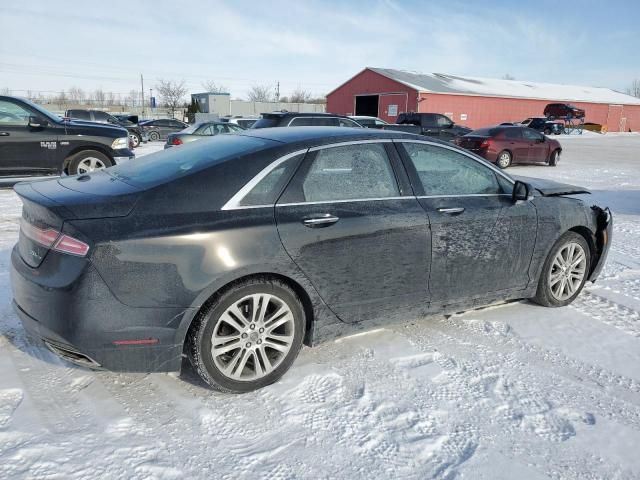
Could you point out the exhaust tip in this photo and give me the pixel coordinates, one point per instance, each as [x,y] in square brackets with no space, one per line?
[72,356]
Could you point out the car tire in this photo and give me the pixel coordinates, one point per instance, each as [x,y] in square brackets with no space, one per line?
[154,136]
[547,131]
[554,158]
[562,279]
[504,159]
[247,360]
[88,161]
[135,139]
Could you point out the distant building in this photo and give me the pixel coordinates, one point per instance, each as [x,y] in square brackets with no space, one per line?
[221,105]
[476,102]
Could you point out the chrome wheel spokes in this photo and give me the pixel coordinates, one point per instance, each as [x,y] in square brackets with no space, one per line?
[90,164]
[252,337]
[567,271]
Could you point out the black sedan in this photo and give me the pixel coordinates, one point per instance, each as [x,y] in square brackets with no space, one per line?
[198,131]
[239,249]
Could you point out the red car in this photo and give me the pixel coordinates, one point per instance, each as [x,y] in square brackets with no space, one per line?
[563,110]
[504,145]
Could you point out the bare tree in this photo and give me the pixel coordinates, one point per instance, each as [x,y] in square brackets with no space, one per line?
[212,87]
[507,76]
[5,91]
[98,97]
[634,89]
[260,93]
[61,99]
[172,93]
[76,94]
[132,98]
[300,95]
[110,99]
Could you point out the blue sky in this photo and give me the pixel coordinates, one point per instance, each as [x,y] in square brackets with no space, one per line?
[53,45]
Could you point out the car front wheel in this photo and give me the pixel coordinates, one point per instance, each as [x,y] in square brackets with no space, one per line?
[564,272]
[88,161]
[554,158]
[136,140]
[248,337]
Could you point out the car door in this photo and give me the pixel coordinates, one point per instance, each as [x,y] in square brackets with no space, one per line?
[25,150]
[482,242]
[537,147]
[361,239]
[515,143]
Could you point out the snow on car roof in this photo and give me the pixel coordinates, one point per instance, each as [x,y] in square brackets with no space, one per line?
[454,84]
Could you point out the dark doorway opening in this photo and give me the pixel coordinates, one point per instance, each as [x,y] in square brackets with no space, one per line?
[367,105]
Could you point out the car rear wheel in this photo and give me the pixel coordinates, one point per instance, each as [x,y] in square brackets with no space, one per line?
[554,158]
[248,337]
[504,159]
[547,131]
[88,161]
[154,136]
[564,272]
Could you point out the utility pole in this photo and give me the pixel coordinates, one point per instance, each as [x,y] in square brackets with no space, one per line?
[278,92]
[142,85]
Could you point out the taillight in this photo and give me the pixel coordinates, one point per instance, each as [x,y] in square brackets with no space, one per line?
[176,141]
[51,238]
[486,143]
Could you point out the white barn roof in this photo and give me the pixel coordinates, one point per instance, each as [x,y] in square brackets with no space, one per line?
[442,83]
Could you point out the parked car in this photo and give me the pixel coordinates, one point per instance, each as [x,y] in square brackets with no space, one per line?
[542,124]
[243,122]
[159,129]
[433,125]
[297,119]
[135,132]
[199,131]
[563,110]
[505,145]
[238,249]
[375,122]
[35,142]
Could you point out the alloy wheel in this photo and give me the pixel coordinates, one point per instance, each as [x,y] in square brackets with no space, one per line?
[252,337]
[90,164]
[504,160]
[134,140]
[567,271]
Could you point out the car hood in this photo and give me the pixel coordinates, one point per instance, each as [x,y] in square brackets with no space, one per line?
[549,188]
[95,128]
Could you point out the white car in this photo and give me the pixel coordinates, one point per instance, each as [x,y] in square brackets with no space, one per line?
[368,122]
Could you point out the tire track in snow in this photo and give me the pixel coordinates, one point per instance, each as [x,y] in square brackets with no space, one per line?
[609,312]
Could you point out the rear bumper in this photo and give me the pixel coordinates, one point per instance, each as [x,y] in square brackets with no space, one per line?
[71,310]
[604,236]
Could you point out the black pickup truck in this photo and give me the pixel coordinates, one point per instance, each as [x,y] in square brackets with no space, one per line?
[35,142]
[433,125]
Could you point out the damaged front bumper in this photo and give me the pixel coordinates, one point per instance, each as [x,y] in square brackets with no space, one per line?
[604,236]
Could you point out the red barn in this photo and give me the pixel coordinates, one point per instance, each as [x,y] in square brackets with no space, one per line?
[476,102]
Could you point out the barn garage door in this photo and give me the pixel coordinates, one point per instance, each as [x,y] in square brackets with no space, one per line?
[614,118]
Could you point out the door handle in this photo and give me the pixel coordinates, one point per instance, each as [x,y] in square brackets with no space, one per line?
[4,134]
[451,211]
[320,221]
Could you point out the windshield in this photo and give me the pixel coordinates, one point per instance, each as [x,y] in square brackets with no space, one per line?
[173,163]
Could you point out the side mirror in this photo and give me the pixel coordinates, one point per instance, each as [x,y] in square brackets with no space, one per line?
[37,122]
[521,191]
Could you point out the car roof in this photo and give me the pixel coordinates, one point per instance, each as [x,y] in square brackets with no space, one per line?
[302,114]
[325,135]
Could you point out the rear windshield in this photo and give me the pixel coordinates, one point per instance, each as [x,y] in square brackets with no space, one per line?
[173,163]
[266,122]
[484,132]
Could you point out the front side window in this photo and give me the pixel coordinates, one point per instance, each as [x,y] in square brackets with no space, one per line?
[12,114]
[346,122]
[446,172]
[530,134]
[101,117]
[443,121]
[350,172]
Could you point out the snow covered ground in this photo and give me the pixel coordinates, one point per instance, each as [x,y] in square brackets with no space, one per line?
[510,392]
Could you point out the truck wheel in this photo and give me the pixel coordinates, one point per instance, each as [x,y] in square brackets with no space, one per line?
[135,139]
[88,161]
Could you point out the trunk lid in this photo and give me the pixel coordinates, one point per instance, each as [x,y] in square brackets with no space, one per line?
[48,204]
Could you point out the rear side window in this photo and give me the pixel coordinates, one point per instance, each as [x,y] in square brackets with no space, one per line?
[512,133]
[268,189]
[349,172]
[484,132]
[267,122]
[346,122]
[314,122]
[446,172]
[173,163]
